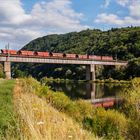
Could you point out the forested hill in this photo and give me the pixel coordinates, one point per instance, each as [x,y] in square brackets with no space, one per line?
[121,42]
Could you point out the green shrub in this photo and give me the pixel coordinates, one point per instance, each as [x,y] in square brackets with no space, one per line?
[44,80]
[131,108]
[85,108]
[43,90]
[73,111]
[30,85]
[110,124]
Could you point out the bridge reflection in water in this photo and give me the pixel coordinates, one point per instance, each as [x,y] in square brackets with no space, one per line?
[109,101]
[98,94]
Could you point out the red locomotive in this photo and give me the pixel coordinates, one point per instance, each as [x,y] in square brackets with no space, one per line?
[24,53]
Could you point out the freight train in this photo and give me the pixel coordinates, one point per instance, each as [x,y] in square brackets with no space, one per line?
[34,54]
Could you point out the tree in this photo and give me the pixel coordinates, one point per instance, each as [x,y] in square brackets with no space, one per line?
[133,68]
[19,74]
[2,75]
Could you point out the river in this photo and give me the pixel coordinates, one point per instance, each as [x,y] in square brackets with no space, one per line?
[88,91]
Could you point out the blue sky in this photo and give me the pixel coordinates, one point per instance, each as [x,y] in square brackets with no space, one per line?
[25,20]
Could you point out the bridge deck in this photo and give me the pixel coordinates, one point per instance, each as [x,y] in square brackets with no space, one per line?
[60,61]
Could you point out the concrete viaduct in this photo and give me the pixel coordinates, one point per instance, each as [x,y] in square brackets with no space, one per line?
[90,64]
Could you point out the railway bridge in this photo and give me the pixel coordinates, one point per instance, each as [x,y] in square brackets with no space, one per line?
[89,63]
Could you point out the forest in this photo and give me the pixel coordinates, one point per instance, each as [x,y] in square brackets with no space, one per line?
[121,43]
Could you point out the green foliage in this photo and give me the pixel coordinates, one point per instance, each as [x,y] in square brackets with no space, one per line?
[133,68]
[30,85]
[19,74]
[2,75]
[131,108]
[113,72]
[8,120]
[59,100]
[110,124]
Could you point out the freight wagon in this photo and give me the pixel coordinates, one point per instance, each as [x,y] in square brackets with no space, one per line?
[24,53]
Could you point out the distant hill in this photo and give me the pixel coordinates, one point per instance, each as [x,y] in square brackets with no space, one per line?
[121,43]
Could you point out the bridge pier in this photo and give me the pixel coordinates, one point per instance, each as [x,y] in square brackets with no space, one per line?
[93,91]
[90,90]
[7,70]
[90,72]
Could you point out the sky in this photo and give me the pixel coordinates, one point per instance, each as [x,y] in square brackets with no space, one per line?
[24,20]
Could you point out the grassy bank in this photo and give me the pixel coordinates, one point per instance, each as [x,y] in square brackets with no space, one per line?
[42,114]
[110,80]
[109,124]
[39,120]
[7,117]
[122,123]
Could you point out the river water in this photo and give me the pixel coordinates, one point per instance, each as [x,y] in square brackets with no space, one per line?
[88,91]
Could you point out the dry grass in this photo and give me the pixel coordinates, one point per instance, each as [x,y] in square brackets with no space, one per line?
[40,121]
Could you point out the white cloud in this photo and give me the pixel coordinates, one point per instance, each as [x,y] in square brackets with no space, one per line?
[123,2]
[120,2]
[11,12]
[106,3]
[17,37]
[132,19]
[135,9]
[108,18]
[55,16]
[115,20]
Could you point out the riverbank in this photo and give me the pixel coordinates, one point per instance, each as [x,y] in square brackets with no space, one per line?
[98,121]
[110,80]
[39,120]
[36,112]
[23,115]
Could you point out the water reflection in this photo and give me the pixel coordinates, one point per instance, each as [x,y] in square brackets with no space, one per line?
[86,90]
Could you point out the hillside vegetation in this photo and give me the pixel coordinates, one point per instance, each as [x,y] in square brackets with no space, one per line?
[121,43]
[124,42]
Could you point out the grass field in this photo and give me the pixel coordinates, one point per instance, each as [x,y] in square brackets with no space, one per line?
[7,119]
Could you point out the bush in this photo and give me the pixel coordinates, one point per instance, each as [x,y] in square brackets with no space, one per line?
[131,108]
[30,85]
[86,110]
[110,124]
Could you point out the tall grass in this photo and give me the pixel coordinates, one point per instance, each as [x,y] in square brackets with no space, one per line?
[109,124]
[40,121]
[131,108]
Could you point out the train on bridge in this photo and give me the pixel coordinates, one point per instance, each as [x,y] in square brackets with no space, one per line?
[34,54]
